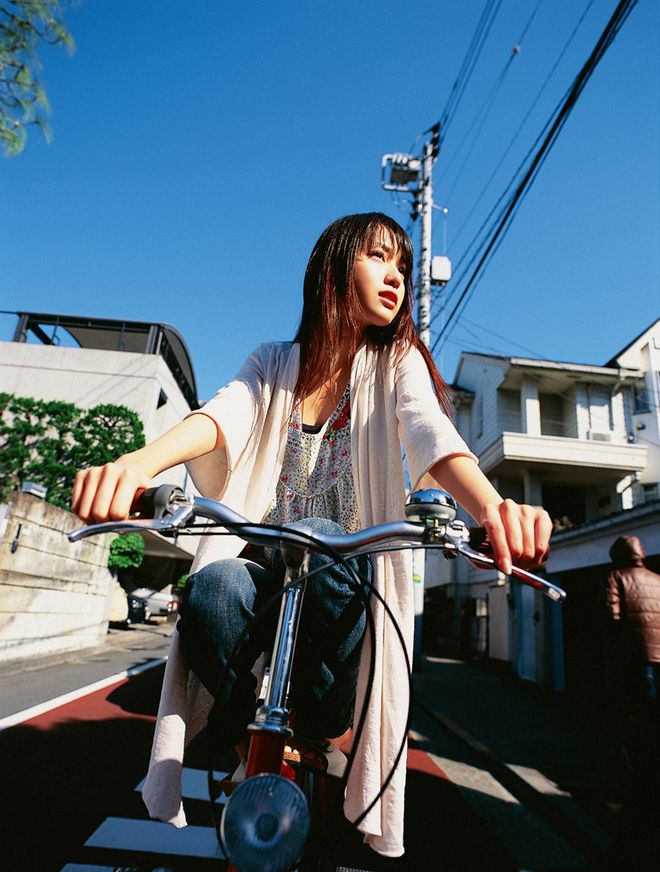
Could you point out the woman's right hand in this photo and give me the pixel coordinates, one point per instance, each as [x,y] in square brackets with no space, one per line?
[106,493]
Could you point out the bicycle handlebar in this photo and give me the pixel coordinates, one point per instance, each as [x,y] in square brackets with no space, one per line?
[432,523]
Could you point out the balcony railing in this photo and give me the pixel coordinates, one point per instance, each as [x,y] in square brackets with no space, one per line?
[623,457]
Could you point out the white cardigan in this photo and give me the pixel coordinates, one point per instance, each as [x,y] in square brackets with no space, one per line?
[393,405]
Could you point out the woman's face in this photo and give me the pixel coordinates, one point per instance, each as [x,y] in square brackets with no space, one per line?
[380,282]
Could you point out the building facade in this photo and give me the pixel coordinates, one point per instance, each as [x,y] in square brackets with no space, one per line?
[582,441]
[89,361]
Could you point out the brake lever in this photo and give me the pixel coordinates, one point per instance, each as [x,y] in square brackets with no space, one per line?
[557,594]
[170,524]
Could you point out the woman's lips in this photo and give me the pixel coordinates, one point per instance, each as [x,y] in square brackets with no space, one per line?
[389,298]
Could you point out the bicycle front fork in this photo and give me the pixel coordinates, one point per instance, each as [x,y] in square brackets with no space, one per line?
[266,822]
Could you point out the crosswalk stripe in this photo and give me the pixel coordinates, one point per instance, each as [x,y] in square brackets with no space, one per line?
[85,867]
[154,837]
[194,784]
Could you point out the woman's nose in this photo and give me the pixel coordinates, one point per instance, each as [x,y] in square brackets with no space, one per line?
[393,275]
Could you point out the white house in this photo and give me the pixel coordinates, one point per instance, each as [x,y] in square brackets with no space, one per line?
[582,441]
[643,354]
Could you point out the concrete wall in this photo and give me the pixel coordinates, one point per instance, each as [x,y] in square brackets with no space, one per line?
[438,570]
[88,377]
[499,638]
[54,595]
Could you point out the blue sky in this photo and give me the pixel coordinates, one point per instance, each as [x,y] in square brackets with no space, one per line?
[199,150]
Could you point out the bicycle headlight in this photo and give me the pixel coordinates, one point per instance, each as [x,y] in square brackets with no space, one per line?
[265,824]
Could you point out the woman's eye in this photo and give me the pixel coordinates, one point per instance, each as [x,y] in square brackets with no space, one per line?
[378,253]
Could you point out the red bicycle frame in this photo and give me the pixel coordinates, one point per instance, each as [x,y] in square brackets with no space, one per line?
[270,729]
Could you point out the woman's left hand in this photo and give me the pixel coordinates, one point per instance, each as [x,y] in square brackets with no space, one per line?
[518,534]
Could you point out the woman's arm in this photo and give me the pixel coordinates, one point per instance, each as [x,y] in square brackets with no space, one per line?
[518,534]
[107,492]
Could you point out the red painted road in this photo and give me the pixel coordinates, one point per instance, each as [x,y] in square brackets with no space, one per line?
[65,771]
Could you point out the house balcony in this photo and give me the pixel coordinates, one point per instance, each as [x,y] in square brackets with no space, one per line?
[579,461]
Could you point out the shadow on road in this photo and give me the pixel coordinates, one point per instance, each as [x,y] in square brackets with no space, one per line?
[65,771]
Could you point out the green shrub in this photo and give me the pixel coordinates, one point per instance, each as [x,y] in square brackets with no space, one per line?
[49,441]
[126,551]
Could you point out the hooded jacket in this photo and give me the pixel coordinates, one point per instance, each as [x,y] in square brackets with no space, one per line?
[633,599]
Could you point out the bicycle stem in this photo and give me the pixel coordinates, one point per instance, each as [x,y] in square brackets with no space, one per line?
[273,715]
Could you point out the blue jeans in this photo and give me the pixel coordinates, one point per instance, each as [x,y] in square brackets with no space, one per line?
[221,600]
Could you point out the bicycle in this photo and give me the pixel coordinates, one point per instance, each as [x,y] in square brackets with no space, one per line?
[266,822]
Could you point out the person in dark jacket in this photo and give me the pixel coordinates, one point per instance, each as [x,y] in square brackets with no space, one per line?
[632,599]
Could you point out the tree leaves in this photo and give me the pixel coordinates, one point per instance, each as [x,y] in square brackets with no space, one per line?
[49,441]
[126,551]
[24,24]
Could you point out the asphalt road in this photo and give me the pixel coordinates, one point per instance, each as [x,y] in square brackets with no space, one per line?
[24,684]
[70,772]
[75,736]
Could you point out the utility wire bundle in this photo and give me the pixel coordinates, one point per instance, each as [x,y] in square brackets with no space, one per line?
[527,171]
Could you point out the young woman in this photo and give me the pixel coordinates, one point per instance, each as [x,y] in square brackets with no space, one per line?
[315,428]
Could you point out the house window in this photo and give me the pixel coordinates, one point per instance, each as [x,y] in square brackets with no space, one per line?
[600,410]
[508,409]
[511,488]
[641,400]
[552,415]
[566,504]
[479,411]
[651,492]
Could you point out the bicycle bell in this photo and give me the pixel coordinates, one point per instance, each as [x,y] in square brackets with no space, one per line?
[430,506]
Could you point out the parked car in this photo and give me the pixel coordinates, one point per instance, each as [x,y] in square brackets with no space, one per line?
[137,610]
[157,603]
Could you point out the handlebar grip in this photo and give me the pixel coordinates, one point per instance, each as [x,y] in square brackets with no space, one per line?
[155,502]
[479,540]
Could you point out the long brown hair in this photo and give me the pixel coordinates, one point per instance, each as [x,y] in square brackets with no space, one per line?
[331,307]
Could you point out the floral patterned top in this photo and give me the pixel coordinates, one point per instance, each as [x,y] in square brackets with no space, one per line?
[317,475]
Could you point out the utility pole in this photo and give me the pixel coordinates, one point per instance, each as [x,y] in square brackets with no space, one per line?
[413,175]
[424,203]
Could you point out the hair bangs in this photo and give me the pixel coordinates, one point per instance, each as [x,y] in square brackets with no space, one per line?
[386,232]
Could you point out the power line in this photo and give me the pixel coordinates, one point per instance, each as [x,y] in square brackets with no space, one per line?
[472,54]
[560,115]
[524,121]
[487,105]
[483,112]
[481,344]
[506,339]
[510,185]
